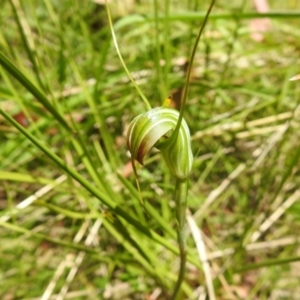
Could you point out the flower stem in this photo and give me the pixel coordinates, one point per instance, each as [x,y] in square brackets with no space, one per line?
[181,199]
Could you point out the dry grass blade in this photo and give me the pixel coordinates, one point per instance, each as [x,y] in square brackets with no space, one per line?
[213,195]
[71,262]
[79,259]
[196,233]
[275,215]
[38,194]
[263,151]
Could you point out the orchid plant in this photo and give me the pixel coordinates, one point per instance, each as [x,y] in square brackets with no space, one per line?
[165,128]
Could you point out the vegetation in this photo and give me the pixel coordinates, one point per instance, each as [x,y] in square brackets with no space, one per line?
[72,224]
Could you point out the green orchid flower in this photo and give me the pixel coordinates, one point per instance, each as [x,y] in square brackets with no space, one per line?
[156,127]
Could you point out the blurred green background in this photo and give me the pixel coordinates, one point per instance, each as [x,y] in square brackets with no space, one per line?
[80,232]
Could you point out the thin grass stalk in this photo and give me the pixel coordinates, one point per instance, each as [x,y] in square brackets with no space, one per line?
[28,42]
[121,58]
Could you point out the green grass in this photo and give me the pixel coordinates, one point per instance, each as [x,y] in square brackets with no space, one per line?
[71,222]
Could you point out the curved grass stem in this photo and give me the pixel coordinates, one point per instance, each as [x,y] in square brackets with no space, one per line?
[181,200]
[122,60]
[190,65]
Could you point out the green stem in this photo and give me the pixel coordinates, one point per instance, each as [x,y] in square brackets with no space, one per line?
[121,58]
[189,70]
[181,200]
